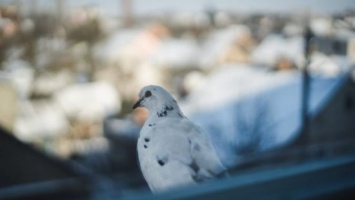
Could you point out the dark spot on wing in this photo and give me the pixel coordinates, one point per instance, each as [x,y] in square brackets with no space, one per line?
[161,163]
[146,139]
[165,111]
[162,160]
[198,176]
[169,108]
[196,147]
[194,166]
[145,146]
[151,124]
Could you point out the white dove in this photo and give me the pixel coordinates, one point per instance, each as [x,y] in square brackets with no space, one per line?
[172,150]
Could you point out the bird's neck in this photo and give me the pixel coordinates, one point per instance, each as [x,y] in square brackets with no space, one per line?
[165,111]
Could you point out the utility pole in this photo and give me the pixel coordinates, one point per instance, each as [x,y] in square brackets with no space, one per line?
[308,37]
[61,8]
[126,12]
[33,7]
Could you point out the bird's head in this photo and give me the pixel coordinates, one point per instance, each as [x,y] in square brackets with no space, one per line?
[156,98]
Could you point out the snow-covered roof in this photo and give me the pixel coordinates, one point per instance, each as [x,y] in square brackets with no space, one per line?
[89,101]
[219,41]
[176,53]
[20,74]
[111,48]
[40,119]
[265,116]
[229,84]
[274,46]
[325,65]
[136,44]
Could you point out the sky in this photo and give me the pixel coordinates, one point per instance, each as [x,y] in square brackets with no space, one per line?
[143,7]
[244,5]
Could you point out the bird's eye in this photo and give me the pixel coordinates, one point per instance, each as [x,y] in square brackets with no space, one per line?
[147,94]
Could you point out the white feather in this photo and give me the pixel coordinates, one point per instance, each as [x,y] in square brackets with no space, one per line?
[172,150]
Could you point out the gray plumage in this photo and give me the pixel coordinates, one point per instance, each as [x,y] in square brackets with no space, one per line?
[172,150]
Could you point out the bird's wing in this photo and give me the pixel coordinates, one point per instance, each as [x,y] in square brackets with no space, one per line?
[178,153]
[165,160]
[205,159]
[200,155]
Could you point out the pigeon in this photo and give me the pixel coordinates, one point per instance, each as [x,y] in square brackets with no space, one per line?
[172,150]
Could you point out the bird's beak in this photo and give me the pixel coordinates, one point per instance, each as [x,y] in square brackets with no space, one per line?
[138,103]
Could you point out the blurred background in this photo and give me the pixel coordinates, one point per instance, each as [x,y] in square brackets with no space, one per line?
[271,83]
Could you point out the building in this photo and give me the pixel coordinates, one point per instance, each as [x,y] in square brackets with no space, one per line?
[25,173]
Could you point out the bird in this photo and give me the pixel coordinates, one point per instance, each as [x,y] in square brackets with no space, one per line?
[172,150]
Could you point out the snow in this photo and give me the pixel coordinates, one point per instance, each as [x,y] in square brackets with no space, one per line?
[20,74]
[111,48]
[48,83]
[263,115]
[219,41]
[230,83]
[176,53]
[324,65]
[89,101]
[40,119]
[274,46]
[322,26]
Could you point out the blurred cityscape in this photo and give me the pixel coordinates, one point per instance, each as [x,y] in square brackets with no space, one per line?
[70,73]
